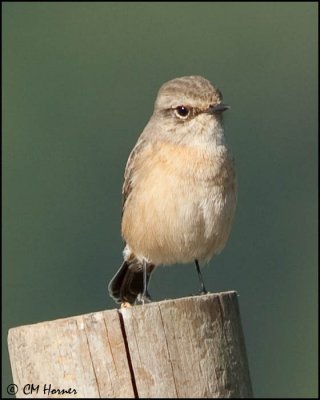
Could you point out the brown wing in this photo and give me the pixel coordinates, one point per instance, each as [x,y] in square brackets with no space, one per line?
[130,168]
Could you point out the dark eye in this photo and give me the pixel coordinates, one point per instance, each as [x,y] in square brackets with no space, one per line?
[182,112]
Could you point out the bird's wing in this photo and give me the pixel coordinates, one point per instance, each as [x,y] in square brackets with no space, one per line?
[131,168]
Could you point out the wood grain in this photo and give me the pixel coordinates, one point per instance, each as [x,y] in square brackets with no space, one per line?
[189,347]
[85,353]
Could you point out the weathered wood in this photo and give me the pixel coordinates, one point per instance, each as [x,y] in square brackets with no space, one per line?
[189,347]
[84,353]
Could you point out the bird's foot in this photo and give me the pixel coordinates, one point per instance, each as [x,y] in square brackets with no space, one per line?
[143,298]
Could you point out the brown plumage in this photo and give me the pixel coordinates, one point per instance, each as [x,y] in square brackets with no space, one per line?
[179,191]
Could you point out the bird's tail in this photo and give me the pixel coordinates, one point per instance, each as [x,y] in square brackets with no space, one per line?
[127,283]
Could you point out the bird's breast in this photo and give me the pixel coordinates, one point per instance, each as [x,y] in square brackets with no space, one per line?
[181,204]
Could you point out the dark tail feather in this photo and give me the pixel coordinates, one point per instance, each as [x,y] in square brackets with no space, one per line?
[128,282]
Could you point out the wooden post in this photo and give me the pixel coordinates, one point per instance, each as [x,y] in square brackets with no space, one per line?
[189,347]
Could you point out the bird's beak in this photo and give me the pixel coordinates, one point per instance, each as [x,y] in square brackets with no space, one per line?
[218,108]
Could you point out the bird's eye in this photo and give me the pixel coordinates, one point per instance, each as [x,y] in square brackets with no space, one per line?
[182,112]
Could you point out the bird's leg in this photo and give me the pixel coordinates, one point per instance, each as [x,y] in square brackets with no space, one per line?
[203,289]
[145,280]
[144,297]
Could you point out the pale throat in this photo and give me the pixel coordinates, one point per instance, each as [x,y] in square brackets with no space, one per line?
[206,134]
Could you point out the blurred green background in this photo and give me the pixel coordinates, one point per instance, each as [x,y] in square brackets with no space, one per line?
[79,82]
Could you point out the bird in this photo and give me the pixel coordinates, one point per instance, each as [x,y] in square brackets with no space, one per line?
[180,189]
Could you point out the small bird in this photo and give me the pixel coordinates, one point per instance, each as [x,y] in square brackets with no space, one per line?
[179,191]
